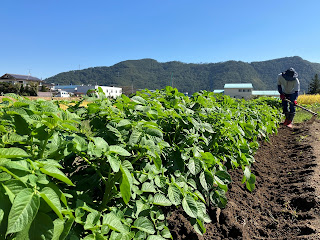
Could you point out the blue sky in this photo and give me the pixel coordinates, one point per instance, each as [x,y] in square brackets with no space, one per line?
[48,37]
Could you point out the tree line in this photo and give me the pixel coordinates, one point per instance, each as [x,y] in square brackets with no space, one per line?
[189,77]
[314,86]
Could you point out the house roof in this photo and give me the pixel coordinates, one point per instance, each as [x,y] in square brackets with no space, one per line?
[20,77]
[238,85]
[218,91]
[266,93]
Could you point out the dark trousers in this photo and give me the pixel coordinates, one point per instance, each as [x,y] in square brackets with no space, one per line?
[288,108]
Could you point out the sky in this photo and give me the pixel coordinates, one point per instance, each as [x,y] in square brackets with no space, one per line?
[46,37]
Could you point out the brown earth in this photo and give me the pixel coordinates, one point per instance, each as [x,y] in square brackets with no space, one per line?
[286,201]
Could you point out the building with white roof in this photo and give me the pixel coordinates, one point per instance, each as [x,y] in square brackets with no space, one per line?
[244,90]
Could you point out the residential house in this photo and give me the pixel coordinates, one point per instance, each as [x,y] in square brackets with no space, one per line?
[21,79]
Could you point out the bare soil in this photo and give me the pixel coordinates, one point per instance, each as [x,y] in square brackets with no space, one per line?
[286,201]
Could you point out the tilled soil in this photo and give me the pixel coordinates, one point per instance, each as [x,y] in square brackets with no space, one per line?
[286,201]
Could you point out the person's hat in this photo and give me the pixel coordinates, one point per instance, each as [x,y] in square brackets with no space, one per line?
[290,74]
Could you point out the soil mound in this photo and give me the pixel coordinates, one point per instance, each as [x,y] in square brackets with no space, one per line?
[285,203]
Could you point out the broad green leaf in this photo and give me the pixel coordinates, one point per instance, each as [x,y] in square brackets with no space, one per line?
[144,224]
[154,132]
[251,182]
[80,143]
[200,196]
[41,228]
[139,100]
[224,176]
[23,179]
[19,165]
[160,199]
[92,220]
[56,173]
[21,125]
[10,194]
[199,227]
[194,166]
[90,237]
[100,143]
[119,150]
[15,186]
[157,162]
[57,229]
[67,227]
[160,181]
[140,235]
[134,137]
[126,184]
[52,199]
[190,206]
[155,237]
[218,198]
[114,236]
[191,166]
[13,138]
[206,180]
[69,127]
[247,172]
[174,194]
[208,158]
[192,183]
[148,187]
[23,210]
[126,236]
[5,206]
[4,161]
[139,207]
[1,215]
[221,184]
[13,152]
[124,123]
[113,222]
[166,233]
[115,162]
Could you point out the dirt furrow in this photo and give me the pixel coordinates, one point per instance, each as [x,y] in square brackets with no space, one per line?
[285,203]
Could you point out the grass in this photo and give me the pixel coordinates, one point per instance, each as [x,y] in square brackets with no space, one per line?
[302,115]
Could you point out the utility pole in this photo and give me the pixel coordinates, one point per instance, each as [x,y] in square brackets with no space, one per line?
[131,85]
[171,80]
[79,74]
[29,74]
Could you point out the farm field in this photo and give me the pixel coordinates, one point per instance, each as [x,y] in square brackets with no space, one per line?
[285,203]
[156,166]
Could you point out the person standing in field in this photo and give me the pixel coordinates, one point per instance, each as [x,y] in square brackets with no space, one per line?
[289,87]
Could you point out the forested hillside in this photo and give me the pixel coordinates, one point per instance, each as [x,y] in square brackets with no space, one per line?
[190,77]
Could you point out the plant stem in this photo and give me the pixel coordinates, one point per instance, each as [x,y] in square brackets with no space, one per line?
[45,143]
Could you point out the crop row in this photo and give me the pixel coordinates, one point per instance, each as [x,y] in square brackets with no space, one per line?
[115,168]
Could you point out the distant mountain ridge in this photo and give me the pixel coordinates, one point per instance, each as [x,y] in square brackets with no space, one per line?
[190,77]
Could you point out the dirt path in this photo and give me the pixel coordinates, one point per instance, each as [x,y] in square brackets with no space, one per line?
[286,201]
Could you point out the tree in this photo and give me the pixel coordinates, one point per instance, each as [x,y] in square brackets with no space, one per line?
[314,86]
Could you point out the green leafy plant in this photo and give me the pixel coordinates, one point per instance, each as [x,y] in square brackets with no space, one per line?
[112,170]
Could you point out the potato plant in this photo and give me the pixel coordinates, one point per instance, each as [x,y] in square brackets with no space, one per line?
[116,168]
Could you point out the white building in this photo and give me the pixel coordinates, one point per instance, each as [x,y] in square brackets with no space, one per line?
[238,90]
[244,90]
[113,92]
[62,94]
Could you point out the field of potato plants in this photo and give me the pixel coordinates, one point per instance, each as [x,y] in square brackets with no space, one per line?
[115,169]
